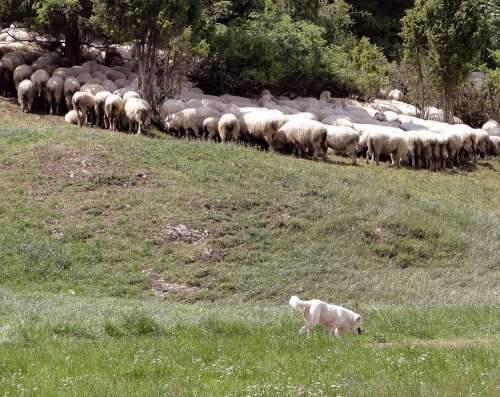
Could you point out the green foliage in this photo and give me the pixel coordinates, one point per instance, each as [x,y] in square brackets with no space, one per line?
[136,20]
[446,34]
[372,68]
[266,50]
[53,15]
[335,18]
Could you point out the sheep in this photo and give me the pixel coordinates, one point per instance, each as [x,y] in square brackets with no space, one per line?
[480,142]
[123,91]
[99,101]
[138,111]
[307,137]
[22,72]
[108,85]
[494,145]
[71,117]
[84,77]
[83,103]
[171,106]
[26,95]
[99,75]
[343,140]
[492,128]
[490,124]
[61,72]
[40,78]
[6,72]
[55,92]
[439,152]
[75,71]
[325,96]
[90,66]
[94,80]
[130,95]
[396,95]
[92,88]
[120,83]
[113,110]
[115,75]
[210,128]
[71,85]
[229,128]
[260,126]
[189,121]
[381,140]
[123,69]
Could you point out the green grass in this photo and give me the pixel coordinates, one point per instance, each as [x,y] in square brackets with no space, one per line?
[70,345]
[83,221]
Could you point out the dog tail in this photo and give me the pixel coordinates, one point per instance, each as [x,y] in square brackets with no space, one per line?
[297,304]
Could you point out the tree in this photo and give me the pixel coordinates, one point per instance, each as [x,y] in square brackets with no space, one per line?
[64,19]
[372,68]
[150,25]
[444,34]
[335,18]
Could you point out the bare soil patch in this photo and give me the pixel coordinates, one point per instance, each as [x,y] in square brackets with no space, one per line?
[161,288]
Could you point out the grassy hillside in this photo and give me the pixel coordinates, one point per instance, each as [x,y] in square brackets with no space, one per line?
[96,227]
[89,211]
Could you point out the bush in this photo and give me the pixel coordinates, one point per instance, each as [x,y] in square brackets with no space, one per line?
[270,50]
[372,68]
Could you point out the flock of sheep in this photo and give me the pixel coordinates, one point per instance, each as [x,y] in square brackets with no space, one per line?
[95,94]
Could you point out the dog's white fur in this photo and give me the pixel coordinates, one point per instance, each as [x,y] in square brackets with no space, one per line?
[335,319]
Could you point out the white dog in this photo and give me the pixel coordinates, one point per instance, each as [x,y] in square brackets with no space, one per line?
[335,319]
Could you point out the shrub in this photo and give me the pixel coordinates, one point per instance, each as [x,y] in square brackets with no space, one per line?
[372,68]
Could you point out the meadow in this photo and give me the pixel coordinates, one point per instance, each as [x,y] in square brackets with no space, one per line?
[158,266]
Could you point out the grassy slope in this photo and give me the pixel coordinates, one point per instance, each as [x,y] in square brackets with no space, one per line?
[76,217]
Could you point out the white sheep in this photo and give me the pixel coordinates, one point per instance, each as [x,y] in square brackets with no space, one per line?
[138,111]
[260,126]
[40,78]
[84,77]
[325,96]
[395,94]
[113,110]
[308,137]
[93,89]
[189,121]
[61,72]
[71,117]
[171,106]
[494,145]
[209,127]
[99,101]
[26,95]
[55,93]
[123,91]
[229,128]
[343,140]
[479,143]
[22,72]
[120,83]
[130,94]
[83,103]
[108,85]
[75,71]
[381,140]
[71,85]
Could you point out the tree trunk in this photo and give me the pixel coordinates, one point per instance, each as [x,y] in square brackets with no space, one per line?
[72,40]
[448,105]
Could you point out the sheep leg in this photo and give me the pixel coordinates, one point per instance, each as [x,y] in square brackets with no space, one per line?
[353,157]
